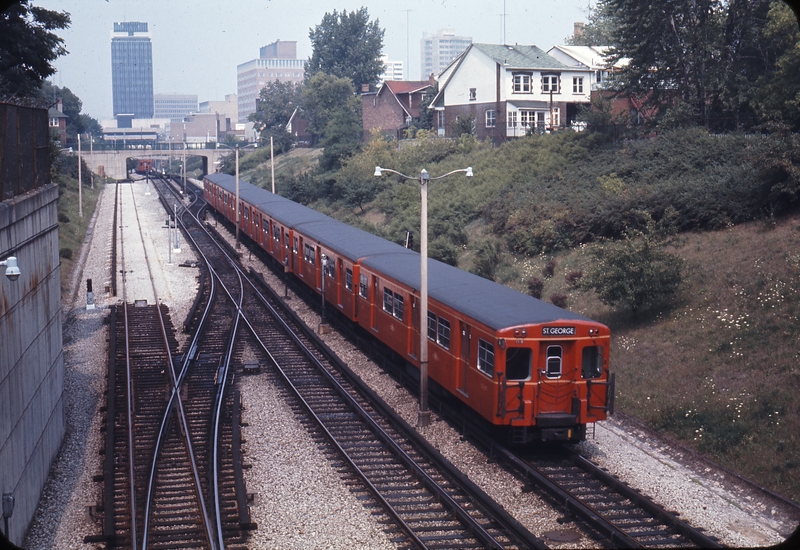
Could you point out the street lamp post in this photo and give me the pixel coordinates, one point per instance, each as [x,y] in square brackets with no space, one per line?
[424,416]
[238,221]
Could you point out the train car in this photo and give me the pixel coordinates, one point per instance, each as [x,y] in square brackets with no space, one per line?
[529,368]
[144,166]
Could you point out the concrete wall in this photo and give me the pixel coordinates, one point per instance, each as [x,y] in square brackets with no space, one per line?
[31,357]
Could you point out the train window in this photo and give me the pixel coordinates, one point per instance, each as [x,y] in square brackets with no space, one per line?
[443,334]
[294,249]
[518,363]
[265,229]
[398,306]
[276,232]
[362,286]
[592,364]
[247,213]
[485,357]
[432,326]
[348,279]
[388,301]
[329,269]
[553,362]
[308,253]
[286,239]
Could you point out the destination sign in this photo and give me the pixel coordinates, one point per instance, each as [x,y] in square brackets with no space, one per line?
[558,331]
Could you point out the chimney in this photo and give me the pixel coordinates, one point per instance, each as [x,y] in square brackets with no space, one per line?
[60,105]
[364,88]
[432,79]
[577,28]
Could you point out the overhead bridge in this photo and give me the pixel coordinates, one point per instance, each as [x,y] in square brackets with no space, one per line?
[114,162]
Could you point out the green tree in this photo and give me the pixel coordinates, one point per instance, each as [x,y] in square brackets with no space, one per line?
[28,47]
[597,31]
[426,119]
[635,273]
[276,103]
[347,45]
[77,122]
[704,53]
[322,96]
[342,135]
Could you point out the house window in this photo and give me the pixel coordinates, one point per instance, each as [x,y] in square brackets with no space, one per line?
[440,119]
[553,362]
[54,123]
[491,116]
[527,117]
[472,94]
[485,357]
[362,286]
[522,83]
[308,253]
[550,84]
[512,119]
[348,279]
[577,84]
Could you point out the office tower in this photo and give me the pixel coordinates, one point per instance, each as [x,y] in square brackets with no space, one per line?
[132,69]
[175,107]
[276,61]
[392,70]
[438,50]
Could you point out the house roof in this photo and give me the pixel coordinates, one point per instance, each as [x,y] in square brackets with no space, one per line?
[594,57]
[52,112]
[403,87]
[520,57]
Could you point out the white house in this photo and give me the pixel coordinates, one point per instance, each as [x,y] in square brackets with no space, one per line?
[509,91]
[591,57]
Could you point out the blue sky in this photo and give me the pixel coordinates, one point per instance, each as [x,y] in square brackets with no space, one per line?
[197,44]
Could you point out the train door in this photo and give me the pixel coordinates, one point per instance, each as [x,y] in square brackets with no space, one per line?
[463,359]
[339,278]
[557,379]
[373,310]
[413,348]
[300,266]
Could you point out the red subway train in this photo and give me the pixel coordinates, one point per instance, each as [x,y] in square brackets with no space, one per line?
[531,369]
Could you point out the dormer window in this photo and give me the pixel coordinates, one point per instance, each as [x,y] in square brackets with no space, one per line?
[473,95]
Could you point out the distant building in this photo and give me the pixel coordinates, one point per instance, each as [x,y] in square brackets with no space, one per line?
[229,107]
[277,61]
[174,106]
[58,122]
[392,70]
[438,50]
[132,69]
[393,108]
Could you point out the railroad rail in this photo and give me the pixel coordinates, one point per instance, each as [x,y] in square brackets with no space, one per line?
[425,500]
[161,432]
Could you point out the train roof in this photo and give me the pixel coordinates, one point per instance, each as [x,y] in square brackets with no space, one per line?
[490,303]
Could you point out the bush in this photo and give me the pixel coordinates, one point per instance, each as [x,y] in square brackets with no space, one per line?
[573,278]
[487,257]
[549,269]
[65,253]
[558,299]
[635,273]
[535,287]
[63,218]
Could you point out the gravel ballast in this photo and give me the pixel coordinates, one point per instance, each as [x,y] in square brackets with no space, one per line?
[289,472]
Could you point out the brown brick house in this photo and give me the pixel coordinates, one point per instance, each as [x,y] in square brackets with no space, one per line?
[391,109]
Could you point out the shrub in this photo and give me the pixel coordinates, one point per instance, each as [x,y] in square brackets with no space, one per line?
[558,299]
[535,287]
[549,269]
[487,256]
[573,278]
[65,253]
[63,218]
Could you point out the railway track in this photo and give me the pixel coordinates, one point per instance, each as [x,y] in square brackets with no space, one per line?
[166,423]
[424,502]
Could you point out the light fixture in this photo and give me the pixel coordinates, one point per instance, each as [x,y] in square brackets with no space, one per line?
[12,269]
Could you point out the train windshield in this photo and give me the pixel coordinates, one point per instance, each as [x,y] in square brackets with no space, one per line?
[518,363]
[592,362]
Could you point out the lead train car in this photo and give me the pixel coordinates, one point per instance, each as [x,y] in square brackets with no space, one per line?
[538,371]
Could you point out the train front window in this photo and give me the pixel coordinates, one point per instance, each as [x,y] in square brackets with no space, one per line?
[592,363]
[553,362]
[518,363]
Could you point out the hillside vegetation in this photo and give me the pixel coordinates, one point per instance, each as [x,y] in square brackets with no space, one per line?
[718,364]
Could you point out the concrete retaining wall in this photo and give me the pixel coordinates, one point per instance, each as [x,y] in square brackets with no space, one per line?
[31,356]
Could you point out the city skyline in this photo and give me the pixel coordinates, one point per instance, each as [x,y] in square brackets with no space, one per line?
[198,45]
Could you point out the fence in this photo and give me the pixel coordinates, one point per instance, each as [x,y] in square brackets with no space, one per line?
[24,149]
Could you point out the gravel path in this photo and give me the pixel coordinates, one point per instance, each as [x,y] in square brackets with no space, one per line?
[288,471]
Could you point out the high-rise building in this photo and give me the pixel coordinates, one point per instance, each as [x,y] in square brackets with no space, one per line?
[276,61]
[438,50]
[175,107]
[132,69]
[392,70]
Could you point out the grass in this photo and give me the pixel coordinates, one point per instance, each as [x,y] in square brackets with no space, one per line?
[71,227]
[720,369]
